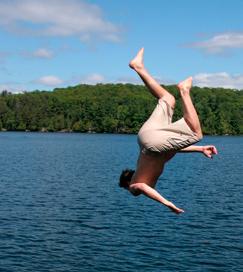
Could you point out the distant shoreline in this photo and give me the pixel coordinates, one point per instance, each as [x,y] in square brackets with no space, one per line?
[93,132]
[114,108]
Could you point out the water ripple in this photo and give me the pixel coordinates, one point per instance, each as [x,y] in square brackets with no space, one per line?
[62,210]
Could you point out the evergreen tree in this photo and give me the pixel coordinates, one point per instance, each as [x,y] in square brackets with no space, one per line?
[114,108]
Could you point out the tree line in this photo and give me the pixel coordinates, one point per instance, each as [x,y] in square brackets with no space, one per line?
[114,108]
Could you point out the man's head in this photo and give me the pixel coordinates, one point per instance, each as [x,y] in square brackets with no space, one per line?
[125,178]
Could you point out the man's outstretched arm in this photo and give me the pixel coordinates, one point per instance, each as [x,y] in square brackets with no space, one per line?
[153,194]
[207,150]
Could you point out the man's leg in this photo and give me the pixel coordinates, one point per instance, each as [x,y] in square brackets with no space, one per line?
[154,87]
[190,114]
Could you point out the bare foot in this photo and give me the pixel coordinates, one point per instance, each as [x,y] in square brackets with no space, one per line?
[185,85]
[137,62]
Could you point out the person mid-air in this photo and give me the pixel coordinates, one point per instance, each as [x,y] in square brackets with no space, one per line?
[160,139]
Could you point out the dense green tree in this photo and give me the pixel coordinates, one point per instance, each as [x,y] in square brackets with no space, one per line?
[114,108]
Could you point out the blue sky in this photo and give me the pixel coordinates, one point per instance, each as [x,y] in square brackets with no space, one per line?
[57,43]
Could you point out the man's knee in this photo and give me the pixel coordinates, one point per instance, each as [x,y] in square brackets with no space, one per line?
[199,135]
[170,99]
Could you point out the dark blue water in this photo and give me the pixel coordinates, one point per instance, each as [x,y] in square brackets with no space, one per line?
[61,208]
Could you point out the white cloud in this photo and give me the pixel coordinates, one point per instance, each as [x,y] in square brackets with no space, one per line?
[95,78]
[92,79]
[222,79]
[40,53]
[164,80]
[43,53]
[129,79]
[137,80]
[49,81]
[98,78]
[57,18]
[210,80]
[220,43]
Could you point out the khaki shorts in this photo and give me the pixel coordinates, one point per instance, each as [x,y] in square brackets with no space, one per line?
[159,134]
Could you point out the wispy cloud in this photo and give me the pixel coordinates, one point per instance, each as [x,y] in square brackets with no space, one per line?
[55,81]
[222,79]
[12,87]
[43,53]
[128,79]
[50,80]
[137,80]
[57,18]
[220,43]
[40,53]
[211,80]
[92,79]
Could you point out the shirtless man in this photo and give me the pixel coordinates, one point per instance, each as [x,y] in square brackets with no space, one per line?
[160,139]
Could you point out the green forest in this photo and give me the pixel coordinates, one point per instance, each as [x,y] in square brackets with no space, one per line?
[114,108]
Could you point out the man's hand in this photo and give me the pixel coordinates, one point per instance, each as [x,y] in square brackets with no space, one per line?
[209,151]
[175,209]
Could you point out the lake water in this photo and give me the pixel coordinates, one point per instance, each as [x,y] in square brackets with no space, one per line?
[61,208]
